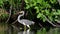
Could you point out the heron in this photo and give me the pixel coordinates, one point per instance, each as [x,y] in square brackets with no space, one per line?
[24,21]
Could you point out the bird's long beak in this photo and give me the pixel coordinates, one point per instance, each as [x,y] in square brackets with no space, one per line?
[21,12]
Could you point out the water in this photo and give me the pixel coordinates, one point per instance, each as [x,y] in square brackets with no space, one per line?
[11,29]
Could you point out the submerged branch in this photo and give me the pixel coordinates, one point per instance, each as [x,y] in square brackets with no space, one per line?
[14,22]
[9,14]
[49,21]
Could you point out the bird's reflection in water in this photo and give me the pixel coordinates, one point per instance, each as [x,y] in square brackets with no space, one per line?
[14,30]
[26,32]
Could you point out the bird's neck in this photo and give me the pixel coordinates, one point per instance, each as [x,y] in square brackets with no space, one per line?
[19,18]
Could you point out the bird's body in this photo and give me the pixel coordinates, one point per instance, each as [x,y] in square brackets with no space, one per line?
[24,21]
[27,22]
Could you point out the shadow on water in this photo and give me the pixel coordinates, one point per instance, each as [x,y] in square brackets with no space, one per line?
[11,29]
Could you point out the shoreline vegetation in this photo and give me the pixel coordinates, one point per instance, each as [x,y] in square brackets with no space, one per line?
[42,12]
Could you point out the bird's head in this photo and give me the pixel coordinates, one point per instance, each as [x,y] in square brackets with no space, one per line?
[21,12]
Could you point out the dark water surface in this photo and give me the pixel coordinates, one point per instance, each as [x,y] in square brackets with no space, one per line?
[11,29]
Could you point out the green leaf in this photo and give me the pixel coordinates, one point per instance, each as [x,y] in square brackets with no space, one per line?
[39,1]
[37,9]
[52,1]
[26,1]
[27,6]
[44,19]
[1,3]
[50,18]
[39,15]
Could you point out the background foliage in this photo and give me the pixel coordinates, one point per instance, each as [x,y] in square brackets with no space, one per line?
[43,8]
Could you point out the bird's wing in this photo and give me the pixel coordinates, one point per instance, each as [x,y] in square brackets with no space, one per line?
[27,22]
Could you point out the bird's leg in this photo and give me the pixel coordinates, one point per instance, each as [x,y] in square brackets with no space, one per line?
[24,27]
[28,26]
[28,31]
